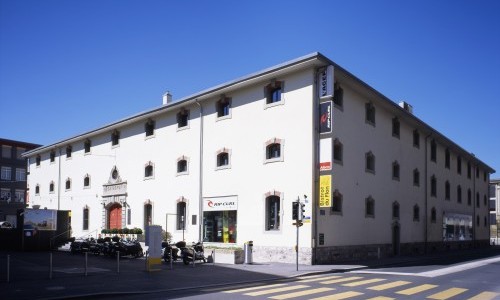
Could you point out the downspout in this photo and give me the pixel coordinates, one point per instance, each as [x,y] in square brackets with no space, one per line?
[315,147]
[426,193]
[59,183]
[200,190]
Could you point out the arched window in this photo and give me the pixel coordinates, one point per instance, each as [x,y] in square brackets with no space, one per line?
[37,189]
[182,118]
[223,107]
[447,158]
[274,92]
[68,184]
[395,127]
[395,170]
[181,215]
[273,151]
[338,151]
[149,170]
[477,200]
[469,197]
[447,191]
[181,166]
[433,151]
[52,156]
[38,160]
[459,194]
[115,138]
[148,214]
[51,187]
[433,186]
[86,181]
[370,113]
[69,151]
[149,128]
[86,146]
[85,218]
[416,177]
[395,210]
[433,215]
[223,159]
[416,213]
[337,202]
[369,207]
[273,212]
[370,162]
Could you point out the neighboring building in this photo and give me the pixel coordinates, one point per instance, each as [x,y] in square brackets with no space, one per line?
[13,188]
[495,210]
[224,166]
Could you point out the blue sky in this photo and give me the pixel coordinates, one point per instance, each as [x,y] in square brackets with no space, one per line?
[67,67]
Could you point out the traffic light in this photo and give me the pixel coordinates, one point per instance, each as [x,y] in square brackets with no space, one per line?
[302,210]
[295,210]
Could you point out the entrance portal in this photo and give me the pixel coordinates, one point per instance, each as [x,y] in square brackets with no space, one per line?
[115,216]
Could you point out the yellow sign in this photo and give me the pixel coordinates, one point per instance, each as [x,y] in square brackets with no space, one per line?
[325,191]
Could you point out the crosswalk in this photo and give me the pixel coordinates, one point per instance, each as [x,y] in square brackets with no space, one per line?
[336,287]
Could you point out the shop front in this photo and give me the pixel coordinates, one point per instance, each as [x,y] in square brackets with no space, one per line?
[220,219]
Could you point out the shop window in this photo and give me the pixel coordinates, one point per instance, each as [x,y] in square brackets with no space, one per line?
[395,211]
[86,181]
[69,151]
[370,162]
[273,213]
[223,107]
[338,96]
[38,160]
[52,156]
[369,207]
[459,194]
[447,158]
[395,127]
[86,146]
[416,177]
[416,213]
[337,202]
[469,197]
[149,128]
[416,139]
[433,186]
[220,226]
[433,151]
[148,214]
[181,216]
[459,165]
[433,215]
[274,92]
[338,151]
[395,171]
[85,218]
[370,113]
[183,118]
[115,138]
[447,191]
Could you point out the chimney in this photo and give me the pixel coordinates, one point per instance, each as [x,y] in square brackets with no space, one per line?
[406,106]
[167,98]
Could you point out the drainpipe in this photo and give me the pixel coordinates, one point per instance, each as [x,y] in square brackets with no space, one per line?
[200,190]
[315,160]
[59,182]
[426,193]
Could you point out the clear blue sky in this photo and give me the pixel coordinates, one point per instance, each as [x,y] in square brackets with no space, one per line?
[67,67]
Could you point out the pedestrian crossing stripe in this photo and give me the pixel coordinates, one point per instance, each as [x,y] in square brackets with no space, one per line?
[320,278]
[255,288]
[339,296]
[302,293]
[447,294]
[277,290]
[381,298]
[363,282]
[485,296]
[389,285]
[340,280]
[417,289]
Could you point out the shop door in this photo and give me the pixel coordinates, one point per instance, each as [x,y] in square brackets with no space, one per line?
[115,217]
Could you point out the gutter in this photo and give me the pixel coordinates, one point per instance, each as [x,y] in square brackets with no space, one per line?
[200,189]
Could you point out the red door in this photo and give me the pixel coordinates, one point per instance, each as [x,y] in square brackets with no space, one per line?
[115,216]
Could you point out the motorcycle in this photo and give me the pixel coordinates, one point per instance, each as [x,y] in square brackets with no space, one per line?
[171,251]
[197,250]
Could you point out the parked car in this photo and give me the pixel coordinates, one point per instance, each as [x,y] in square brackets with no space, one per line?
[5,225]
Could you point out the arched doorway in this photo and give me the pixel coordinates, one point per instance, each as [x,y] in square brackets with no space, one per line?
[115,216]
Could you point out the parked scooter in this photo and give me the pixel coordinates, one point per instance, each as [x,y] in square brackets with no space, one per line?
[197,250]
[171,251]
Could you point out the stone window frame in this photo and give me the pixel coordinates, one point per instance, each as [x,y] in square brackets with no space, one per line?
[52,187]
[149,168]
[269,91]
[280,196]
[267,148]
[220,107]
[219,154]
[178,165]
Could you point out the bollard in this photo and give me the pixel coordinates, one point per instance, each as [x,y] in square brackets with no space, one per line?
[194,256]
[118,262]
[213,257]
[50,265]
[171,259]
[146,256]
[378,252]
[8,268]
[86,263]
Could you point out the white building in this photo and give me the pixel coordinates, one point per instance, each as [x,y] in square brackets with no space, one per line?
[233,158]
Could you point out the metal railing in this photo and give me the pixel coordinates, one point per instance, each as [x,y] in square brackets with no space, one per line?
[52,239]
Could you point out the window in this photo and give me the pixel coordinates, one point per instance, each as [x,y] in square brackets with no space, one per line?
[38,160]
[416,177]
[148,170]
[469,170]
[459,165]
[369,207]
[485,222]
[274,92]
[459,194]
[485,202]
[86,218]
[433,186]
[129,216]
[149,128]
[19,196]
[395,127]
[223,107]
[182,165]
[273,213]
[338,150]
[274,150]
[52,156]
[370,162]
[477,172]
[395,211]
[447,158]
[86,181]
[416,213]
[51,187]
[6,151]
[86,146]
[338,96]
[115,138]
[370,113]
[181,215]
[485,176]
[416,139]
[395,170]
[222,159]
[37,189]
[337,202]
[19,152]
[433,151]
[69,149]
[68,184]
[433,215]
[477,200]
[5,195]
[183,118]
[447,191]
[469,197]
[20,174]
[6,173]
[477,220]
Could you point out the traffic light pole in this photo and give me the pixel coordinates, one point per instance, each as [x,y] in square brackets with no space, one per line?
[297,248]
[298,217]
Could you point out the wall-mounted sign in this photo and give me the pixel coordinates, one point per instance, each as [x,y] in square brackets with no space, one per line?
[220,203]
[325,117]
[40,219]
[325,80]
[325,191]
[325,154]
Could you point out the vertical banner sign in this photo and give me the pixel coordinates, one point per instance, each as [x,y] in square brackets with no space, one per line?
[325,79]
[325,117]
[325,154]
[325,191]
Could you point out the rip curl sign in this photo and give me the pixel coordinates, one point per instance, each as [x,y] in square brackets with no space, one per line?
[220,203]
[325,117]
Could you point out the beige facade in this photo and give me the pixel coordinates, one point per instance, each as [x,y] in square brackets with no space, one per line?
[245,150]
